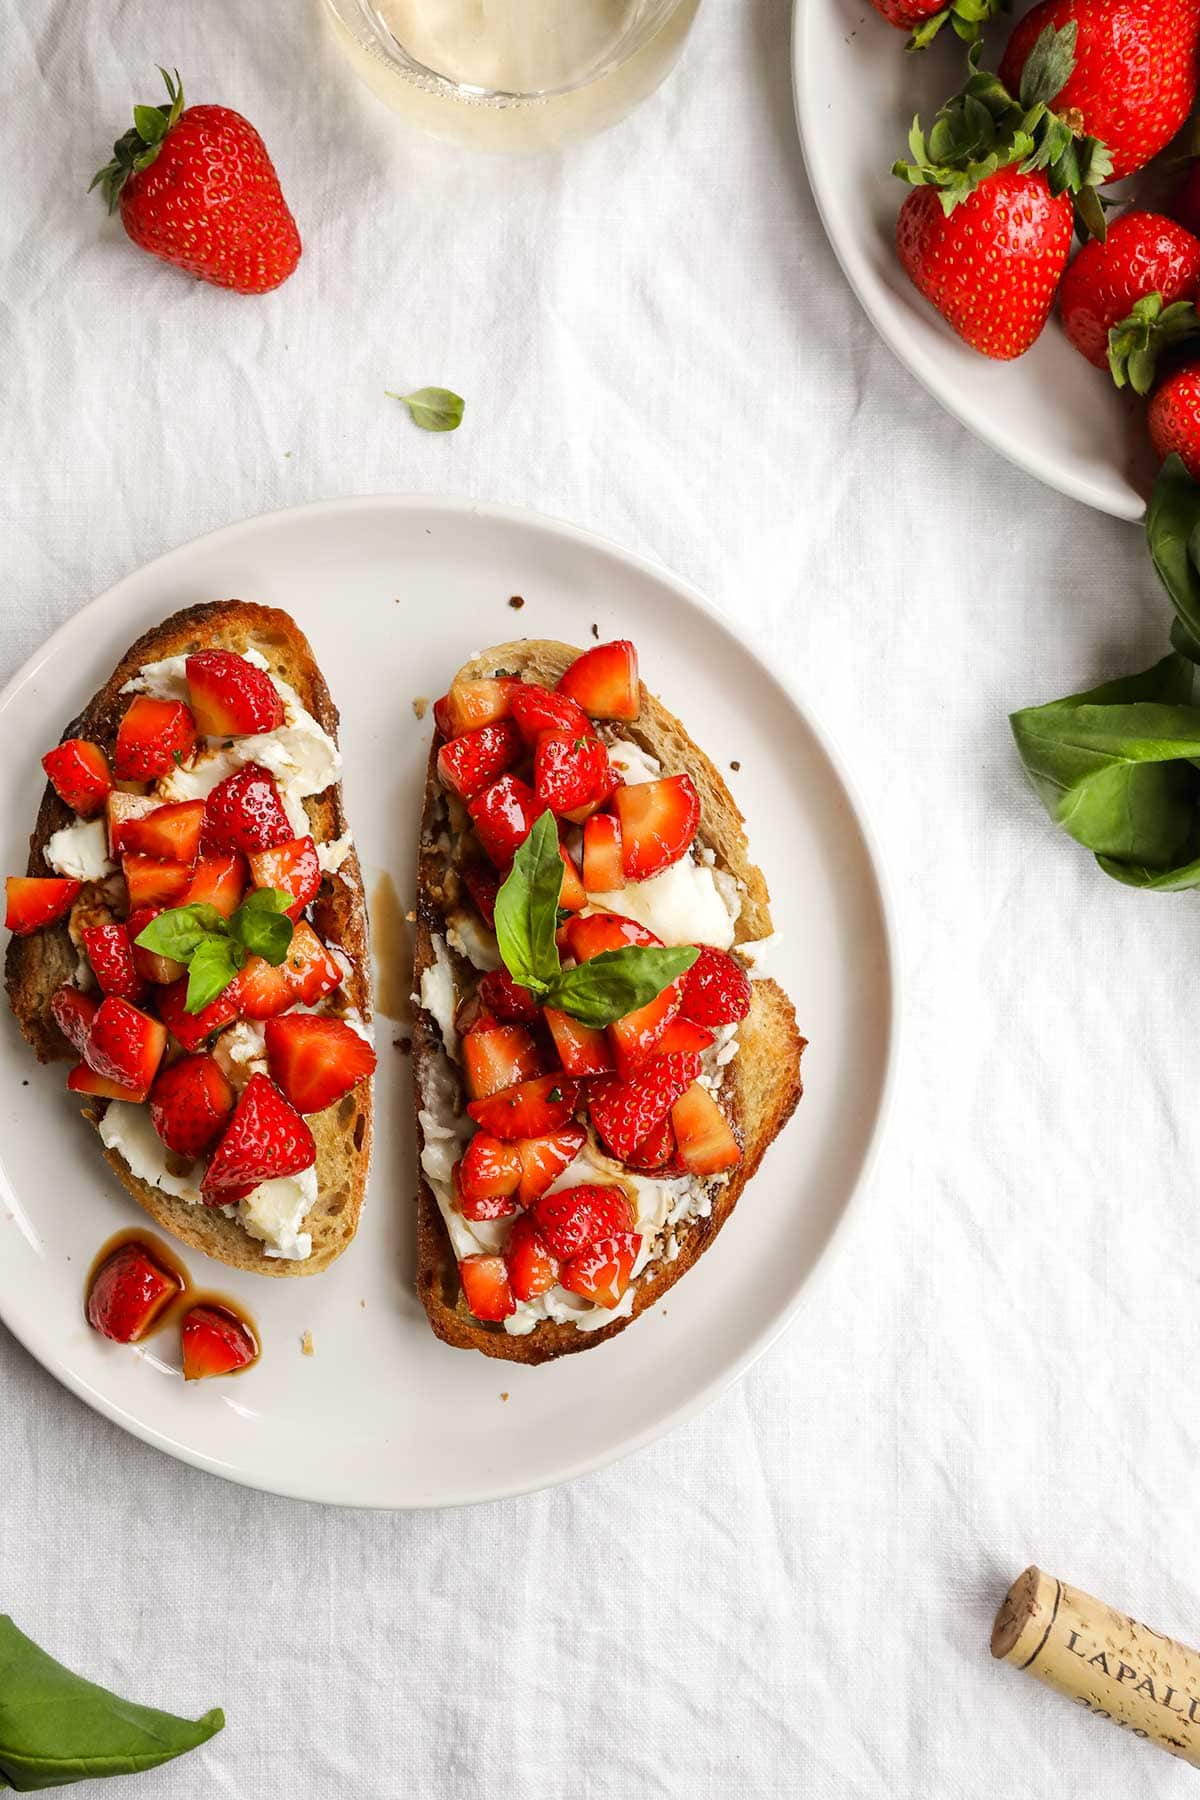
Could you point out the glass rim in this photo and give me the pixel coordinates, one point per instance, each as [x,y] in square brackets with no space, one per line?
[360,18]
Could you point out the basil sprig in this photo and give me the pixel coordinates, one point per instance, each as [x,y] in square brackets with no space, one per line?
[597,992]
[56,1728]
[213,947]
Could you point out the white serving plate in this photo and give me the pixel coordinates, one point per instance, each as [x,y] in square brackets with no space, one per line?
[394,594]
[1049,412]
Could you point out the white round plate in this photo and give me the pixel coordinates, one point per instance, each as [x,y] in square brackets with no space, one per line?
[394,594]
[1049,412]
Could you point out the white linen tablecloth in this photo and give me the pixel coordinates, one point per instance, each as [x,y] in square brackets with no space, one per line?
[791,1595]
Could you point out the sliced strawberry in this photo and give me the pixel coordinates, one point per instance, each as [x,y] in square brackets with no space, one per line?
[128,1293]
[441,717]
[161,970]
[605,931]
[244,812]
[573,895]
[659,820]
[152,882]
[471,1014]
[582,1049]
[538,709]
[110,954]
[575,1217]
[171,833]
[489,1170]
[306,975]
[682,1034]
[531,1268]
[604,681]
[716,989]
[316,1060]
[153,737]
[613,779]
[469,763]
[485,1286]
[506,999]
[82,1080]
[189,1103]
[603,866]
[125,1045]
[625,1112]
[265,1139]
[214,1342]
[487,1208]
[230,697]
[483,884]
[656,1154]
[470,704]
[218,881]
[120,809]
[73,1012]
[80,775]
[543,1160]
[503,816]
[602,1272]
[292,868]
[570,771]
[635,1037]
[531,1109]
[706,1141]
[496,1057]
[194,1029]
[37,900]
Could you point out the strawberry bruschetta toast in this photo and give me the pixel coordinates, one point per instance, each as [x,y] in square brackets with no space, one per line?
[600,1064]
[191,934]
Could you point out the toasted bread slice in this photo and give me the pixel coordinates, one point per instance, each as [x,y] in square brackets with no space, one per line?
[37,965]
[761,1085]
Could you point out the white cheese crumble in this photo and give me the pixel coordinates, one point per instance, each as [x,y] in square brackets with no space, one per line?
[242,1051]
[80,851]
[333,854]
[686,904]
[437,994]
[472,939]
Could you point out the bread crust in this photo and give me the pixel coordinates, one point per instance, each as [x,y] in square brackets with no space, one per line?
[762,1084]
[36,965]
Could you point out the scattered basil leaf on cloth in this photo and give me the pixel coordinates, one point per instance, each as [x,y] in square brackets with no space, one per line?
[56,1728]
[214,948]
[432,408]
[596,992]
[1173,534]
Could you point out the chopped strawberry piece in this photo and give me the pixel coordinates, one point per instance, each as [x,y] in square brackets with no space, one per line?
[716,990]
[531,1268]
[575,1217]
[171,833]
[582,1049]
[230,697]
[194,1029]
[153,737]
[486,1208]
[706,1141]
[538,709]
[80,775]
[470,704]
[316,1060]
[604,681]
[602,1272]
[128,1293]
[605,931]
[293,868]
[531,1109]
[635,1037]
[543,1160]
[503,816]
[37,900]
[483,884]
[578,815]
[110,954]
[306,975]
[244,812]
[265,1139]
[659,820]
[472,1013]
[506,999]
[152,882]
[189,1103]
[120,809]
[625,1112]
[441,717]
[603,867]
[73,1012]
[82,1080]
[496,1057]
[572,895]
[570,771]
[125,1045]
[161,970]
[485,1286]
[656,1154]
[469,763]
[682,1034]
[218,881]
[489,1170]
[214,1342]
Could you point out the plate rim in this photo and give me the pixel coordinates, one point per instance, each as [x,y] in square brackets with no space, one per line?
[890,975]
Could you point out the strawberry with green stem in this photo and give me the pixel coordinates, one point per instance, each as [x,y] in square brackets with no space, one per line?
[925,18]
[1135,347]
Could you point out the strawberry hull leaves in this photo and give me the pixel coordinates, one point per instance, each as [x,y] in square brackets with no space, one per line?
[966,19]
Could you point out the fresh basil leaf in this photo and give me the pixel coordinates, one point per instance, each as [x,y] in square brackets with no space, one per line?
[617,982]
[266,900]
[527,908]
[1176,880]
[262,925]
[213,965]
[1172,519]
[180,930]
[57,1729]
[432,408]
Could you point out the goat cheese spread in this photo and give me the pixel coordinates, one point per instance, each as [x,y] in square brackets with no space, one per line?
[81,851]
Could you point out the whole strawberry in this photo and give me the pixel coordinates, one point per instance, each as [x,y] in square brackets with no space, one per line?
[1174,418]
[1135,74]
[1143,253]
[197,188]
[925,18]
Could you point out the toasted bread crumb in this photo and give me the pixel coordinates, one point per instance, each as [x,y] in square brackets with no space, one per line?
[306,1343]
[420,706]
[596,632]
[403,1045]
[735,766]
[504,1396]
[363,1304]
[411,917]
[516,603]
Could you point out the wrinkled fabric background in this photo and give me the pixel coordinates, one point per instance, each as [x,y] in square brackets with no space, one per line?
[792,1595]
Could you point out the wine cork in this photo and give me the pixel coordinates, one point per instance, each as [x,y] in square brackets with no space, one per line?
[1103,1660]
